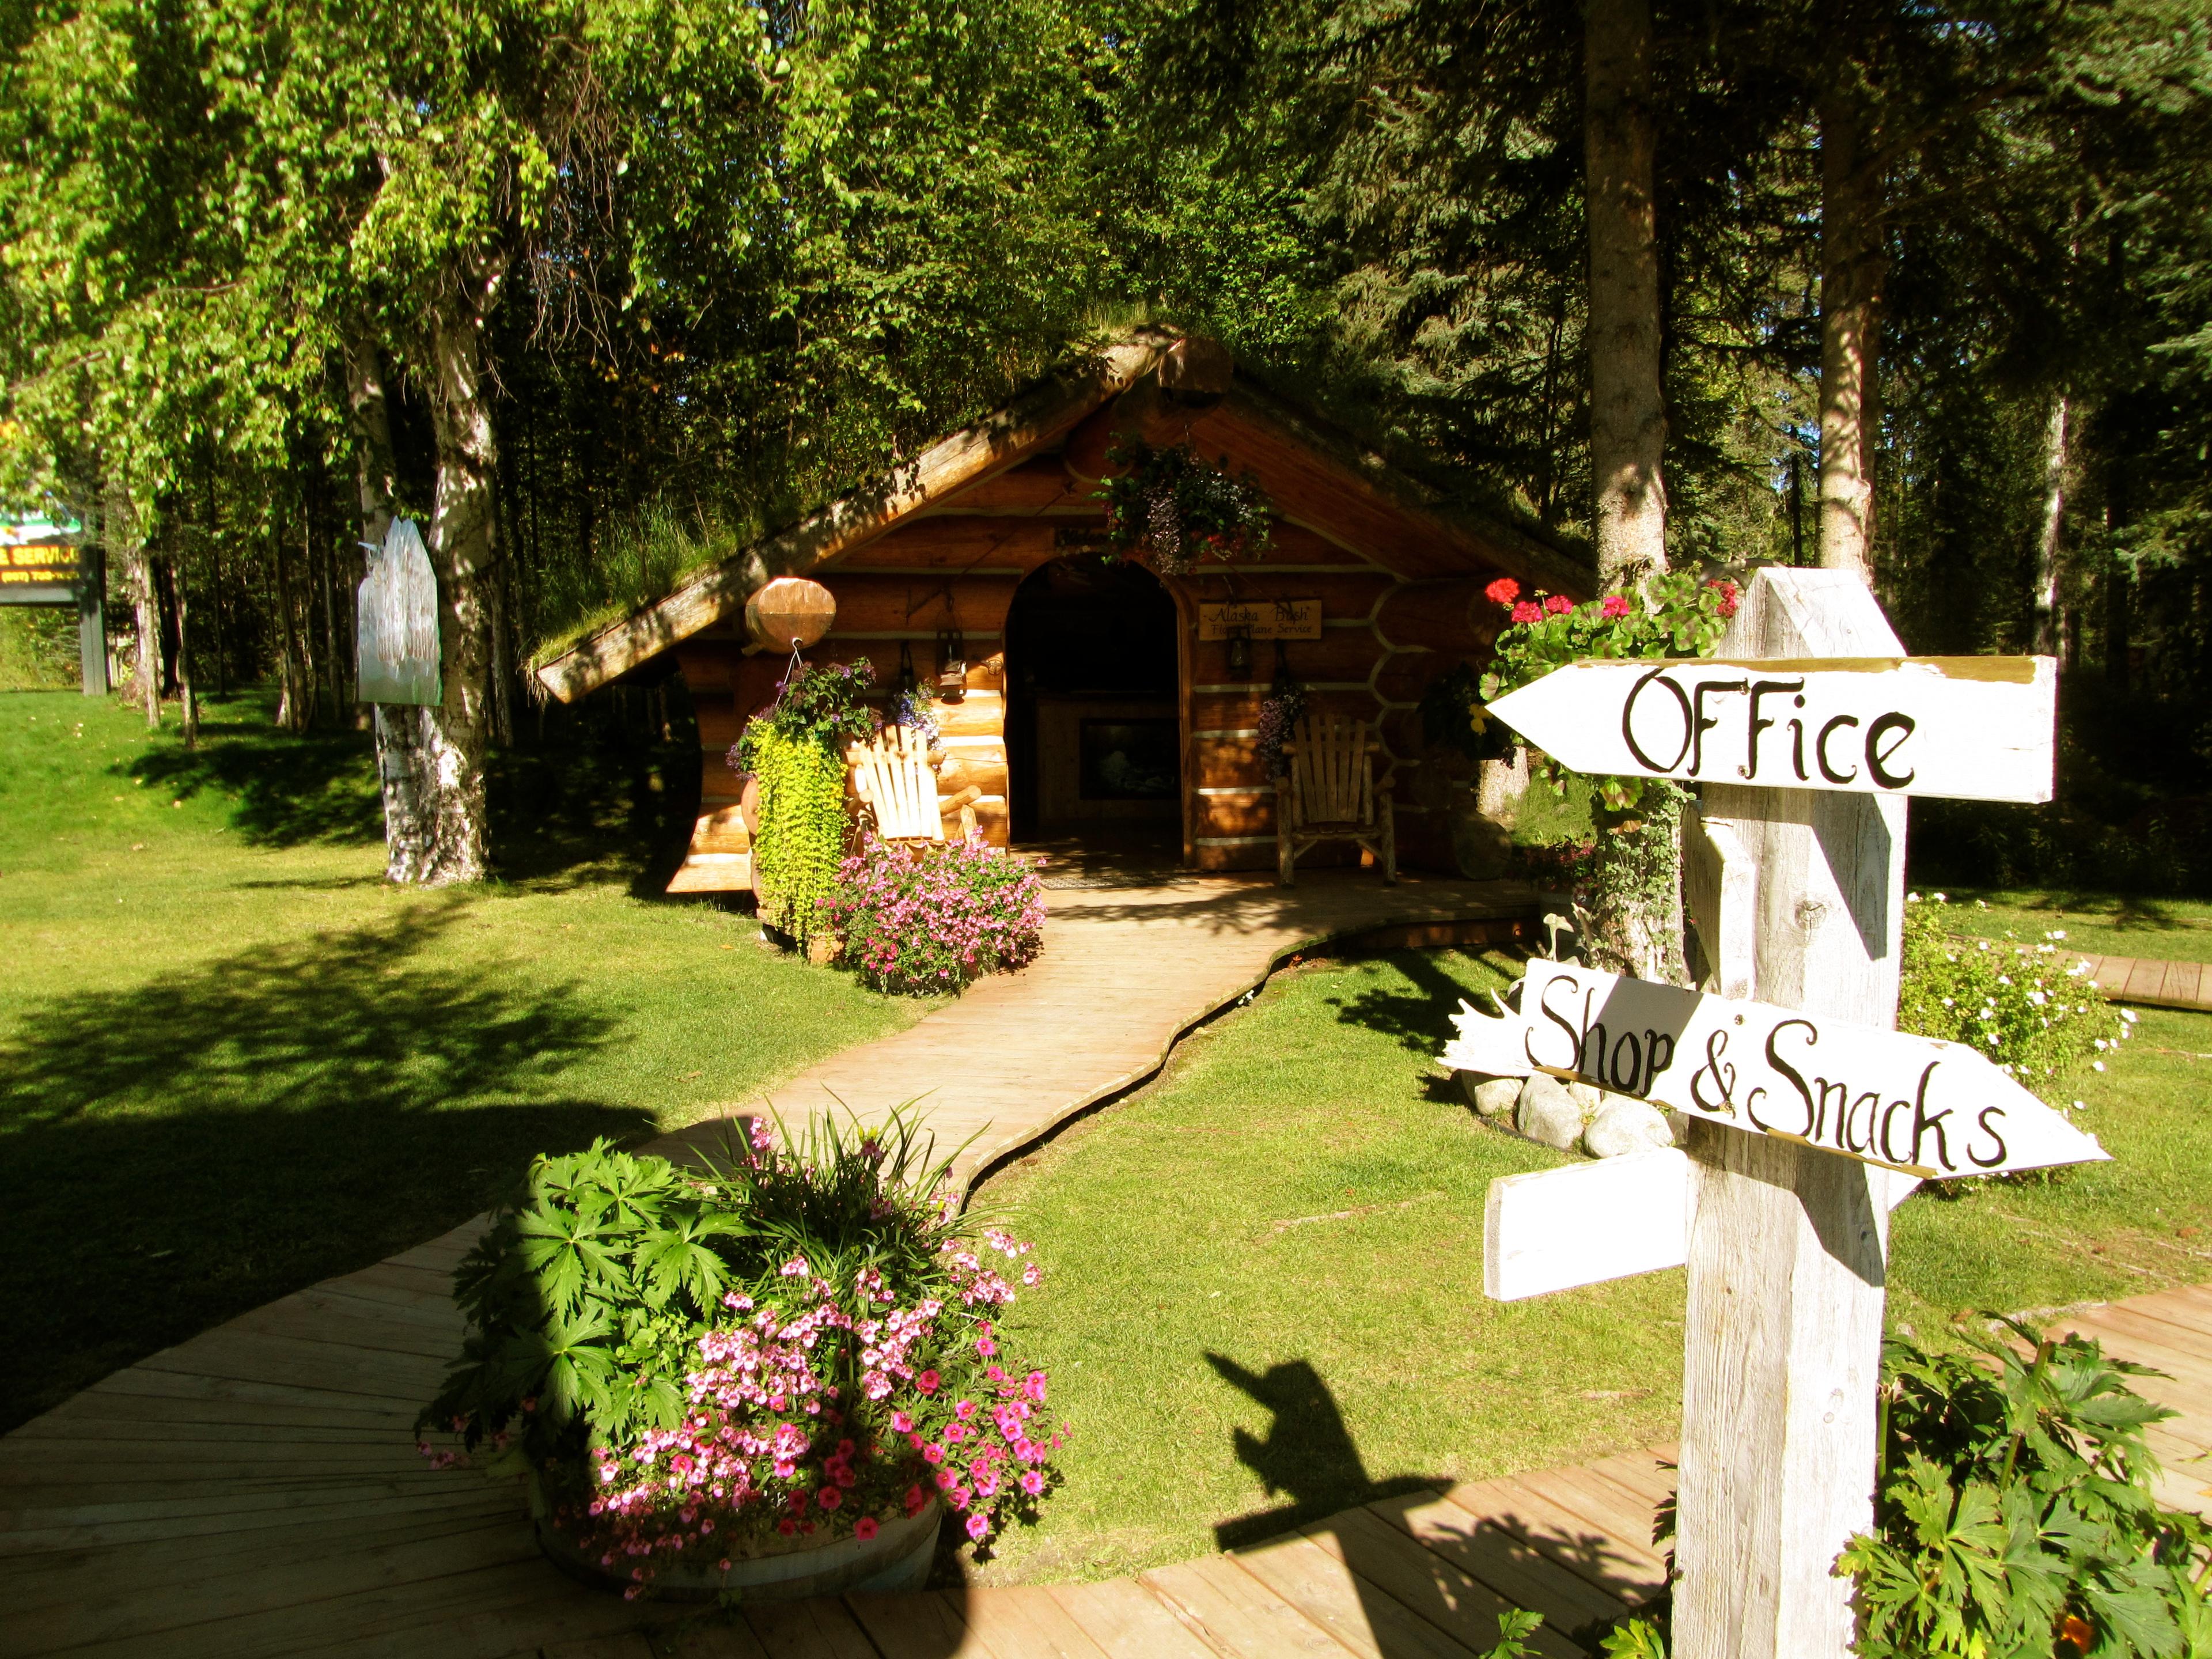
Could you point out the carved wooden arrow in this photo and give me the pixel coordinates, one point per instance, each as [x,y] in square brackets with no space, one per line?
[1964,728]
[1930,1107]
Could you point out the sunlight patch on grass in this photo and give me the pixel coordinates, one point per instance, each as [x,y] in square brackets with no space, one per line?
[233,1062]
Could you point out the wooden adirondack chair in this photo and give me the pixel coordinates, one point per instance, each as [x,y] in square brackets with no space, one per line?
[1329,795]
[895,775]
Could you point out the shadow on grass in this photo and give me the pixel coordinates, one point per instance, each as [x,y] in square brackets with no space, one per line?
[175,1154]
[316,788]
[1467,1570]
[595,801]
[1420,1019]
[1307,1454]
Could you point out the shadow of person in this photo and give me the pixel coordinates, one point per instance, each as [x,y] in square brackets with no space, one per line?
[1307,1454]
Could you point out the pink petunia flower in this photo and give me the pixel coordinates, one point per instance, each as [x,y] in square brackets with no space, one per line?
[1032,1482]
[978,1525]
[865,1527]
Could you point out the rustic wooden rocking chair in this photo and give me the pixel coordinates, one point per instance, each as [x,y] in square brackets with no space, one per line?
[895,775]
[1329,795]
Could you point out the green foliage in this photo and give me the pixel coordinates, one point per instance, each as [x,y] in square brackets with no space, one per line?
[803,830]
[38,647]
[2015,1516]
[1174,508]
[810,1321]
[1515,1626]
[1452,717]
[1636,1638]
[821,704]
[796,749]
[1675,614]
[581,1298]
[2031,1009]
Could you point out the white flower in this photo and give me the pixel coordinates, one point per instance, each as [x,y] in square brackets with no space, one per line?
[1947,1002]
[2004,979]
[2096,1064]
[2058,932]
[1912,898]
[1940,899]
[2128,1015]
[2081,1105]
[2038,998]
[1981,904]
[1984,945]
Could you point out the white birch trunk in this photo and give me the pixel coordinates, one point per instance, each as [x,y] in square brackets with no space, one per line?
[2050,546]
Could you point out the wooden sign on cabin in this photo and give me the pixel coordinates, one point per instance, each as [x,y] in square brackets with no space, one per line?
[1261,619]
[397,621]
[1963,728]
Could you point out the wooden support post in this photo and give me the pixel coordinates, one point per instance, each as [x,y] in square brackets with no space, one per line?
[1788,1244]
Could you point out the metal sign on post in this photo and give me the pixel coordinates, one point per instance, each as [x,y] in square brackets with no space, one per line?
[1810,1115]
[45,560]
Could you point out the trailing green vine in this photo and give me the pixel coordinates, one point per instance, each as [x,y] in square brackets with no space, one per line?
[795,749]
[1176,508]
[802,830]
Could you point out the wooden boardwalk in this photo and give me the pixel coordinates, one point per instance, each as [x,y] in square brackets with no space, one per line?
[2152,983]
[1126,970]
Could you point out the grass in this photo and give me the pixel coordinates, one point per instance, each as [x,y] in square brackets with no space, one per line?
[1263,1298]
[2097,924]
[233,1062]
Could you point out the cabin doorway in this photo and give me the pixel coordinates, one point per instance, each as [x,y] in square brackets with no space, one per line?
[1094,740]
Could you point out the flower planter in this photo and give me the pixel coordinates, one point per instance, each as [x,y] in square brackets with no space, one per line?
[896,1559]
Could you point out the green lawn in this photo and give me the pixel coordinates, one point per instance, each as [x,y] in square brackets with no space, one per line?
[233,1062]
[2099,923]
[1263,1298]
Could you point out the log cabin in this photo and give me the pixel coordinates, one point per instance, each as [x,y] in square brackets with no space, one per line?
[1095,698]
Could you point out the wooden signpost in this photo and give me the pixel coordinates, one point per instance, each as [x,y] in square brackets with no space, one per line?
[1804,734]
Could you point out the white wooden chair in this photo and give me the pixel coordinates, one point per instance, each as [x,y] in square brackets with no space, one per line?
[1329,795]
[895,776]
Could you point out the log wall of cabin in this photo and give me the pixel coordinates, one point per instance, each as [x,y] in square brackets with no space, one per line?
[1382,641]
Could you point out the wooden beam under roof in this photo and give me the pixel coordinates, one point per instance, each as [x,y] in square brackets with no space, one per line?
[1318,477]
[973,453]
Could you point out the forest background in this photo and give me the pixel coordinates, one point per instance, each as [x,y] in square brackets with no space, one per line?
[599,290]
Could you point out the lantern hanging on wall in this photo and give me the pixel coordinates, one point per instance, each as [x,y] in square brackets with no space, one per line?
[952,666]
[1240,652]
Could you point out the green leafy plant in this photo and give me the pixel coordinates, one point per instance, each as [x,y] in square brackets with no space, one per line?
[1452,718]
[1675,615]
[691,1366]
[2015,1513]
[1636,1638]
[795,748]
[1176,509]
[803,830]
[1515,1626]
[2032,1008]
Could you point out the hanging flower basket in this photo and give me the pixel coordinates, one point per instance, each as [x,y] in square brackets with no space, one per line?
[1174,509]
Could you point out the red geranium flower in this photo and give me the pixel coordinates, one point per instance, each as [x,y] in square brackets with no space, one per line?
[1615,605]
[1527,612]
[1504,591]
[1559,605]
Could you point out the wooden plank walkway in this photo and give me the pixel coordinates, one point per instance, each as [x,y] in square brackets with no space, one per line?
[255,1490]
[2152,983]
[1125,971]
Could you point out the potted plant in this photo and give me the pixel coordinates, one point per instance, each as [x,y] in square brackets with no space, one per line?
[773,1377]
[926,920]
[792,754]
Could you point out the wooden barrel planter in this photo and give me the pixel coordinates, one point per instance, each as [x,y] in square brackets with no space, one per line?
[896,1559]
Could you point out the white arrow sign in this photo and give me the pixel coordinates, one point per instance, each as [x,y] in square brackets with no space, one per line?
[1964,728]
[1930,1107]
